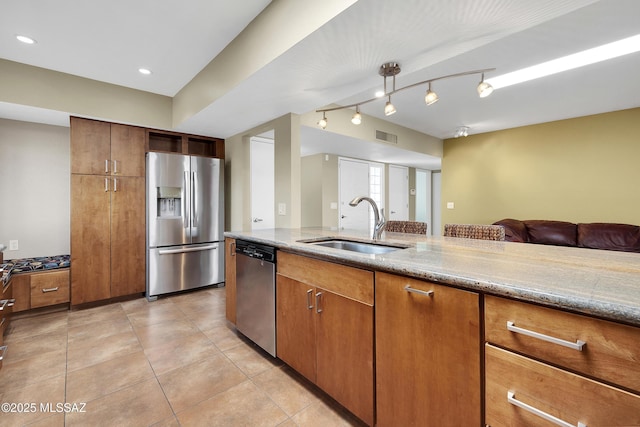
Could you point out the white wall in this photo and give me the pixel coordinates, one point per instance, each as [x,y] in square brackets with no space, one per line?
[34,174]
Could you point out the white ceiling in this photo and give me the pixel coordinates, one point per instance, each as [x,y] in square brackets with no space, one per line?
[338,63]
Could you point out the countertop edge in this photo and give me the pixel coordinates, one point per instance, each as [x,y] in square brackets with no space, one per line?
[589,306]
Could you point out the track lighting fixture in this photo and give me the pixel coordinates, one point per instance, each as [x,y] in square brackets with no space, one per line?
[431,97]
[357,117]
[323,121]
[392,69]
[484,88]
[461,131]
[389,109]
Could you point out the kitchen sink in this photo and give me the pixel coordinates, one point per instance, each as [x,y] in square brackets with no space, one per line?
[356,246]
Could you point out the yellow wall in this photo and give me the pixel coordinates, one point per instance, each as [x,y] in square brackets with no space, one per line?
[580,170]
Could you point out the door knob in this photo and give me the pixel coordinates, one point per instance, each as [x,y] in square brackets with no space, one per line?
[343,216]
[393,212]
[257,219]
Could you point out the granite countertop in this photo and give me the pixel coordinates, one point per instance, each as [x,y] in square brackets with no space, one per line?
[602,283]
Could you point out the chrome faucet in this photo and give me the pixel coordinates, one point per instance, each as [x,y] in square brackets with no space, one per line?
[379,219]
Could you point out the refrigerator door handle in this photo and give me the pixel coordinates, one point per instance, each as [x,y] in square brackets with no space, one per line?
[179,251]
[185,203]
[194,199]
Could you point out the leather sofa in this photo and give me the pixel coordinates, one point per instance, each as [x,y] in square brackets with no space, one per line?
[596,235]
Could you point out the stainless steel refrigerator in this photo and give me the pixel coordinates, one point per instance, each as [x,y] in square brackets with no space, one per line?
[185,223]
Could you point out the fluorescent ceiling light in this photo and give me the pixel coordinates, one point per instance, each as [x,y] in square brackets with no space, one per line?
[25,39]
[580,59]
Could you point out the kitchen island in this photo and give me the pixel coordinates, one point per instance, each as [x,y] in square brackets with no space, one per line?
[565,318]
[601,283]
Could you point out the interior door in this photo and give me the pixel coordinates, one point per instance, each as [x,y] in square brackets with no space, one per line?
[262,183]
[398,193]
[353,182]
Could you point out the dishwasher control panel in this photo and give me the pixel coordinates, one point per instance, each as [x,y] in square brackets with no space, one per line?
[254,250]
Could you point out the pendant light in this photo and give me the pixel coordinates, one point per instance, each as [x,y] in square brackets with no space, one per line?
[431,97]
[357,117]
[484,88]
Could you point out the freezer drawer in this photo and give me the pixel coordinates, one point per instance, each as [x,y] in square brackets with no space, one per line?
[178,268]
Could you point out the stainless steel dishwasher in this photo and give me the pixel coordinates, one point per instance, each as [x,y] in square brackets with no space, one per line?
[256,293]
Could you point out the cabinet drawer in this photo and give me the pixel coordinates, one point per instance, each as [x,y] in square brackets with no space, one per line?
[610,351]
[551,391]
[6,307]
[346,281]
[49,288]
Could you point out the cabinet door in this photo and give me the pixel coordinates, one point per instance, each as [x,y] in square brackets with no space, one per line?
[344,337]
[90,238]
[90,147]
[427,354]
[128,258]
[127,150]
[230,279]
[295,324]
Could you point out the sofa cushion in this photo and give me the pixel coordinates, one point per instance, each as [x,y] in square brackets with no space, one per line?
[617,237]
[546,232]
[514,230]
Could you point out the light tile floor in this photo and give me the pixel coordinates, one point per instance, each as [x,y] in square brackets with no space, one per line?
[172,362]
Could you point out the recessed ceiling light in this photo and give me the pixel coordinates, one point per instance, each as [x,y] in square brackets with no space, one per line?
[144,71]
[25,39]
[569,62]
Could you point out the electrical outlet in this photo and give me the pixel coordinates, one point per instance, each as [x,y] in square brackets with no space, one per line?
[450,205]
[13,245]
[282,208]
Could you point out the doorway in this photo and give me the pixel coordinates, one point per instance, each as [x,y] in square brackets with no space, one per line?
[358,178]
[398,193]
[423,198]
[262,160]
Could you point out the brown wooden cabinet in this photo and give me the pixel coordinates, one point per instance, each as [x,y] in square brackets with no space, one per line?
[102,148]
[428,359]
[230,278]
[40,288]
[174,142]
[325,328]
[524,392]
[6,306]
[107,210]
[49,288]
[572,367]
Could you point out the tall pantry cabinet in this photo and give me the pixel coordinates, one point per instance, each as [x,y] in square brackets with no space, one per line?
[107,210]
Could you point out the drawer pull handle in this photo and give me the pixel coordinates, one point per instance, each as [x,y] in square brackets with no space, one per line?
[11,302]
[511,398]
[318,309]
[45,290]
[3,303]
[310,299]
[418,291]
[3,350]
[573,345]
